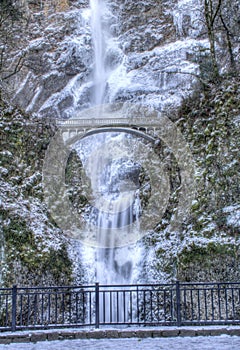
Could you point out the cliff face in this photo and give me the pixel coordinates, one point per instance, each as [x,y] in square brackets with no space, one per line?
[33,250]
[206,247]
[156,53]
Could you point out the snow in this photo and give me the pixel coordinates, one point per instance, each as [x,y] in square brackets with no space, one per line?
[161,76]
[187,9]
[86,14]
[37,44]
[38,91]
[32,211]
[233,218]
[237,119]
[223,342]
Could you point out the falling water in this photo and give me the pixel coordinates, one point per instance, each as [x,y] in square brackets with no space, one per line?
[108,161]
[98,39]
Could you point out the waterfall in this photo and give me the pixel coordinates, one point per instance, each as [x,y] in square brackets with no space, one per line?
[109,162]
[98,39]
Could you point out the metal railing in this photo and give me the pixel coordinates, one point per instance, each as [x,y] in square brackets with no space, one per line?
[175,304]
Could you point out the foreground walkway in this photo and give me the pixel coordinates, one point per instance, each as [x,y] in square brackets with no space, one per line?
[125,338]
[223,342]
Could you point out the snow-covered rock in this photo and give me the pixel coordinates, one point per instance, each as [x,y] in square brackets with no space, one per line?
[153,55]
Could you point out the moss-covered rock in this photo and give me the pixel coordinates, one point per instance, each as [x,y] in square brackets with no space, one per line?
[205,247]
[34,250]
[211,128]
[212,262]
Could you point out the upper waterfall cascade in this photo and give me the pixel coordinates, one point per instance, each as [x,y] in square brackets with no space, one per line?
[99,45]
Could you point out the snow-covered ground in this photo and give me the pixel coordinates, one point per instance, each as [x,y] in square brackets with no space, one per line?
[223,342]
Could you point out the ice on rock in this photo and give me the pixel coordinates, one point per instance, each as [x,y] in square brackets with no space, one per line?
[187,18]
[233,215]
[120,74]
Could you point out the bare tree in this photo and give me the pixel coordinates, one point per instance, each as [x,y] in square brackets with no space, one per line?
[12,21]
[221,19]
[211,13]
[229,25]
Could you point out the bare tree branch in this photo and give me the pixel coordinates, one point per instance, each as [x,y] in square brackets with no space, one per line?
[12,22]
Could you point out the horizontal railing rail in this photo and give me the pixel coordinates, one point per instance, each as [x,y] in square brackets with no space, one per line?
[173,304]
[107,121]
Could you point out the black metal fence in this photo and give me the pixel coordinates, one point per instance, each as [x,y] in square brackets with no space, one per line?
[175,304]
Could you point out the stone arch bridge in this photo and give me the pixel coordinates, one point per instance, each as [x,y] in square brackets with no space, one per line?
[143,127]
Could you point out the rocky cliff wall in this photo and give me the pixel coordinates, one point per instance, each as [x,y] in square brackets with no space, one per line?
[154,52]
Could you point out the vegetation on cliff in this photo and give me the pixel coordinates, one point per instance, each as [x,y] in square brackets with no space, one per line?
[210,123]
[33,249]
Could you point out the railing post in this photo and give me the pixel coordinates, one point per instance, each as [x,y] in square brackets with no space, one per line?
[97,305]
[14,307]
[178,303]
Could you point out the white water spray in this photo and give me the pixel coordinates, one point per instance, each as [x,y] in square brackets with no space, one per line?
[110,164]
[99,45]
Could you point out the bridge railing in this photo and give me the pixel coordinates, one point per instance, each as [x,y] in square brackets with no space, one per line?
[175,304]
[106,121]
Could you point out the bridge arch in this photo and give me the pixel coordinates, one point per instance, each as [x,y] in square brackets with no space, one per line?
[105,129]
